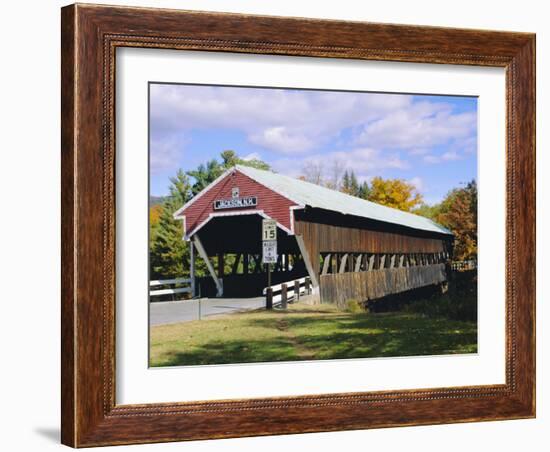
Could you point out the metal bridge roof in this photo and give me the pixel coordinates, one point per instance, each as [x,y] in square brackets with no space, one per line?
[308,194]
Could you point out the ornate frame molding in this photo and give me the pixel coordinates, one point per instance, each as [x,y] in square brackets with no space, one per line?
[90,37]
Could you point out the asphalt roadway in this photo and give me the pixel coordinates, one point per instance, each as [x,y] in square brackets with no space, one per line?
[165,312]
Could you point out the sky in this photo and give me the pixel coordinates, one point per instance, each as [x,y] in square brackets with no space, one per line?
[430,141]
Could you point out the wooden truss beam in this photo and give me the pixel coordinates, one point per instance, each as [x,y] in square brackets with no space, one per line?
[307,261]
[202,253]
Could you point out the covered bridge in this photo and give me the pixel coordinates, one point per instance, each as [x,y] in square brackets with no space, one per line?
[350,248]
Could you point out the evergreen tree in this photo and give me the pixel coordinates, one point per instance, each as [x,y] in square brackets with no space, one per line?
[364,190]
[346,183]
[169,253]
[205,174]
[229,158]
[350,184]
[353,184]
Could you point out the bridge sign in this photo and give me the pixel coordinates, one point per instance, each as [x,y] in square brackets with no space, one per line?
[235,203]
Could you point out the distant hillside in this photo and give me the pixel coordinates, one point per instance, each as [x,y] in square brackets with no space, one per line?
[154,200]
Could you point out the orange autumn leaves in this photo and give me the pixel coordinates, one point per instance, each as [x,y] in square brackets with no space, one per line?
[154,215]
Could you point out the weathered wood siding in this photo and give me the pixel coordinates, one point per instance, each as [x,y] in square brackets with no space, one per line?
[324,238]
[369,285]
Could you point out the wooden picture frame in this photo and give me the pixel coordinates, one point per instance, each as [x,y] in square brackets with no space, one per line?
[90,36]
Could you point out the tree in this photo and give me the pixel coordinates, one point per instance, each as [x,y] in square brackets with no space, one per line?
[230,159]
[313,172]
[155,212]
[364,190]
[458,212]
[346,183]
[339,179]
[334,181]
[168,250]
[425,210]
[205,175]
[353,184]
[396,193]
[350,184]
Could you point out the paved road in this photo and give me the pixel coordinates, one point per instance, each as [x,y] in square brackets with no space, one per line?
[184,311]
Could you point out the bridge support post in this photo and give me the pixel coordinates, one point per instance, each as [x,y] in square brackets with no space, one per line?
[192,267]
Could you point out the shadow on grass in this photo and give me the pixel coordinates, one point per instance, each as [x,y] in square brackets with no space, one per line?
[334,337]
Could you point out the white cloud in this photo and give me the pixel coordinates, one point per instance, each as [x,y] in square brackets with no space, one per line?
[165,154]
[431,158]
[365,162]
[376,128]
[284,121]
[423,125]
[418,183]
[450,155]
[467,145]
[252,156]
[282,138]
[418,151]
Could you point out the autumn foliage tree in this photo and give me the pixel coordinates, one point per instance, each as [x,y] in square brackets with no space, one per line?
[396,193]
[458,213]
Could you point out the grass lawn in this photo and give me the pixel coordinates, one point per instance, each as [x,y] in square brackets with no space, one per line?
[307,332]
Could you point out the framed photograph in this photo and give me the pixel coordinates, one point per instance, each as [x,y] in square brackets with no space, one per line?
[282,225]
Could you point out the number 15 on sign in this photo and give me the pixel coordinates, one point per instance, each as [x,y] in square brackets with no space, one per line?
[269,243]
[269,230]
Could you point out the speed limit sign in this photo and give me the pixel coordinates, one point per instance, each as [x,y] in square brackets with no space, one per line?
[269,241]
[269,230]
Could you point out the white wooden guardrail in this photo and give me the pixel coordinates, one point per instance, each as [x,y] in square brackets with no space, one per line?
[281,294]
[170,290]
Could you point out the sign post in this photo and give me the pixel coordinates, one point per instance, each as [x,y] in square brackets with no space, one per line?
[269,248]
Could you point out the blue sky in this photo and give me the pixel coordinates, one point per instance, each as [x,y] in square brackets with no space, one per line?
[430,141]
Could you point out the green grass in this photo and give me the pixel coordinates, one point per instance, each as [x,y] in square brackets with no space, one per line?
[308,332]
